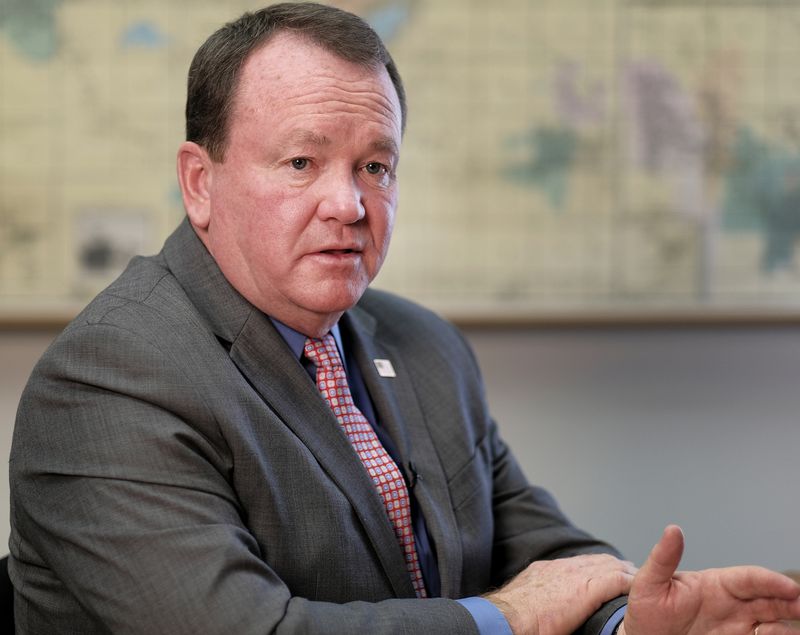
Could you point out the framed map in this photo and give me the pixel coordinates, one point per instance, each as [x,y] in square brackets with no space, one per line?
[563,158]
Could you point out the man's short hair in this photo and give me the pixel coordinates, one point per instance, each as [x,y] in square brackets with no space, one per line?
[214,72]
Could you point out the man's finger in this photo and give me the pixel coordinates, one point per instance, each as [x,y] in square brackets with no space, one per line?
[748,583]
[663,560]
[774,610]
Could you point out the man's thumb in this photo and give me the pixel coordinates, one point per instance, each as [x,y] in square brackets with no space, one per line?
[663,560]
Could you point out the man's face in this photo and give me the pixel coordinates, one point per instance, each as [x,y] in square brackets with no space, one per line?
[302,207]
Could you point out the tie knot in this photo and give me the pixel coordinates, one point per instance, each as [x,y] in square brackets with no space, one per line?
[322,351]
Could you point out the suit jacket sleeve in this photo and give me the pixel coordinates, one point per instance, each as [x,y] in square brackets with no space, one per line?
[493,502]
[529,526]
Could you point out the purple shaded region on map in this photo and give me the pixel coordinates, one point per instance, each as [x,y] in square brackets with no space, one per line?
[662,116]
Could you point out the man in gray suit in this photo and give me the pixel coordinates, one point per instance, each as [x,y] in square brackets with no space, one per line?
[176,468]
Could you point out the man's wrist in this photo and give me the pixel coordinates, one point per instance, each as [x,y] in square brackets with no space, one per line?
[489,619]
[505,608]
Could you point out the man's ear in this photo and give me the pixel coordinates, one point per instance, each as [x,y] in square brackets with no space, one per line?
[194,177]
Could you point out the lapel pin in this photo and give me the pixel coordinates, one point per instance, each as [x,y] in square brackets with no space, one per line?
[385,368]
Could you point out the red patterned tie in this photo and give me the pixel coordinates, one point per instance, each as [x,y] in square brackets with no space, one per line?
[332,383]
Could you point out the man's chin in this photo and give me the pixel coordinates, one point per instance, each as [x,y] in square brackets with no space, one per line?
[337,304]
[330,297]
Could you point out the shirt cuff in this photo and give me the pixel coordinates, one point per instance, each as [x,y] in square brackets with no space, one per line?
[487,616]
[614,621]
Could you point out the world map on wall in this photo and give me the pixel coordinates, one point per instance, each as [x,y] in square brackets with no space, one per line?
[560,155]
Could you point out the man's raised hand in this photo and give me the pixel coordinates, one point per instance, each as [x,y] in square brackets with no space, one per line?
[730,601]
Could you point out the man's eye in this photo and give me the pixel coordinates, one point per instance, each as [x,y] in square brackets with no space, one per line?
[375,168]
[300,164]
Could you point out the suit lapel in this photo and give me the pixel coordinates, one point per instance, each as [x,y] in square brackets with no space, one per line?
[264,358]
[398,410]
[290,393]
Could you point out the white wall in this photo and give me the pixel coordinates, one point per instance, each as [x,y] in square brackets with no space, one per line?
[635,429]
[630,429]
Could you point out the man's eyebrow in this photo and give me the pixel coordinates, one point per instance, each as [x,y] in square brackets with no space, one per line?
[307,137]
[385,144]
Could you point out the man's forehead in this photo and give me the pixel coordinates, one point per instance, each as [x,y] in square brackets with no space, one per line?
[290,56]
[289,70]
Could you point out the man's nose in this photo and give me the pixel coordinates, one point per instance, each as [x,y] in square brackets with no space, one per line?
[341,199]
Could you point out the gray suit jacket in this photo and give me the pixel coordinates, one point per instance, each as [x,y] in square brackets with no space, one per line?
[174,470]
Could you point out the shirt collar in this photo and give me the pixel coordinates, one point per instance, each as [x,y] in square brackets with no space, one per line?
[297,341]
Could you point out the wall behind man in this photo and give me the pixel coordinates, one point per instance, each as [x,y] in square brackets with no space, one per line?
[636,428]
[630,428]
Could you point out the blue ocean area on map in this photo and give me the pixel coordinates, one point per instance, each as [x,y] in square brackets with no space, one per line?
[763,193]
[552,149]
[144,34]
[389,19]
[552,155]
[31,27]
